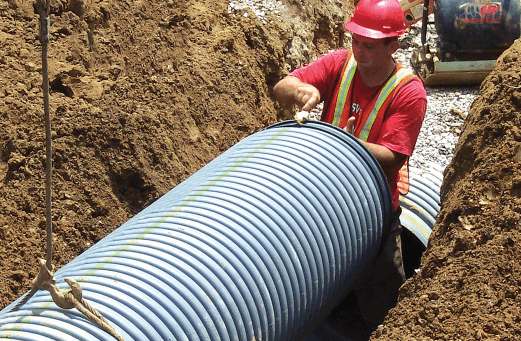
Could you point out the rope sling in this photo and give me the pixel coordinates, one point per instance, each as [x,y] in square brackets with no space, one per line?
[45,278]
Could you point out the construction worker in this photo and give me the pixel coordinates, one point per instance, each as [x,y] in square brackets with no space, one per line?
[370,95]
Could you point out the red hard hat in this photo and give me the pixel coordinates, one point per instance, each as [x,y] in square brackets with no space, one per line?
[377,19]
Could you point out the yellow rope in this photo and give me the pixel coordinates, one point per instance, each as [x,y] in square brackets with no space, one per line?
[72,299]
[89,311]
[43,8]
[45,279]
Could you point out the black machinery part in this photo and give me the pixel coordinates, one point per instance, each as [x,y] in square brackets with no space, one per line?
[468,29]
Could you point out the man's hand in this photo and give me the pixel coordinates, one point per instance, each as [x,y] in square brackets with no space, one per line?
[350,127]
[307,97]
[290,90]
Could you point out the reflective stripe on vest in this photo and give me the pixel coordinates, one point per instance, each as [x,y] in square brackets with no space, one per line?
[345,87]
[391,84]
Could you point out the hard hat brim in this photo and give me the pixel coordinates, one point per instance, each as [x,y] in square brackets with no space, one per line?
[369,33]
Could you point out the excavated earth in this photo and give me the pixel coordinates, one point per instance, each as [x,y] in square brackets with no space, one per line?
[144,93]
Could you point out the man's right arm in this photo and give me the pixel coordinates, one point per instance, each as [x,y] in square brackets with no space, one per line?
[291,90]
[309,85]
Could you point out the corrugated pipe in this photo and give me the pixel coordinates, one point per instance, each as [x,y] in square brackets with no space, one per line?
[257,245]
[421,205]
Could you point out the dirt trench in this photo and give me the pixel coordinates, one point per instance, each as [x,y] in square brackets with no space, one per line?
[144,93]
[469,284]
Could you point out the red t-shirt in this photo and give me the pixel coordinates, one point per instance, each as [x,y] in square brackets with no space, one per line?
[403,119]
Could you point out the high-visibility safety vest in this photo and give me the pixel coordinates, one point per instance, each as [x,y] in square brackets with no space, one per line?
[369,124]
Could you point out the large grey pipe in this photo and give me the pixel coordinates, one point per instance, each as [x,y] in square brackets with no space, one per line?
[257,245]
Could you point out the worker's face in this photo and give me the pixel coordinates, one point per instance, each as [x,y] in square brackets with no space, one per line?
[371,53]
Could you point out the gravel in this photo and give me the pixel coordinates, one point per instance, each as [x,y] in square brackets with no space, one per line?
[447,107]
[259,7]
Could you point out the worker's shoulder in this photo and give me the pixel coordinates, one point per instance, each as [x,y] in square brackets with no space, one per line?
[414,81]
[329,63]
[414,89]
[338,55]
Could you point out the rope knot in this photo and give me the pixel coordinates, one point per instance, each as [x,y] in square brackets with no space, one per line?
[71,299]
[45,281]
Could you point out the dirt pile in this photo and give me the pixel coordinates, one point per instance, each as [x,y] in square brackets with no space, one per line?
[470,279]
[144,93]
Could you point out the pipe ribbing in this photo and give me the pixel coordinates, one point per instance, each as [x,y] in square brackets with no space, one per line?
[421,205]
[257,245]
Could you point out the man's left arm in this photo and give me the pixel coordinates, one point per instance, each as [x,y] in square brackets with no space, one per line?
[386,157]
[400,130]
